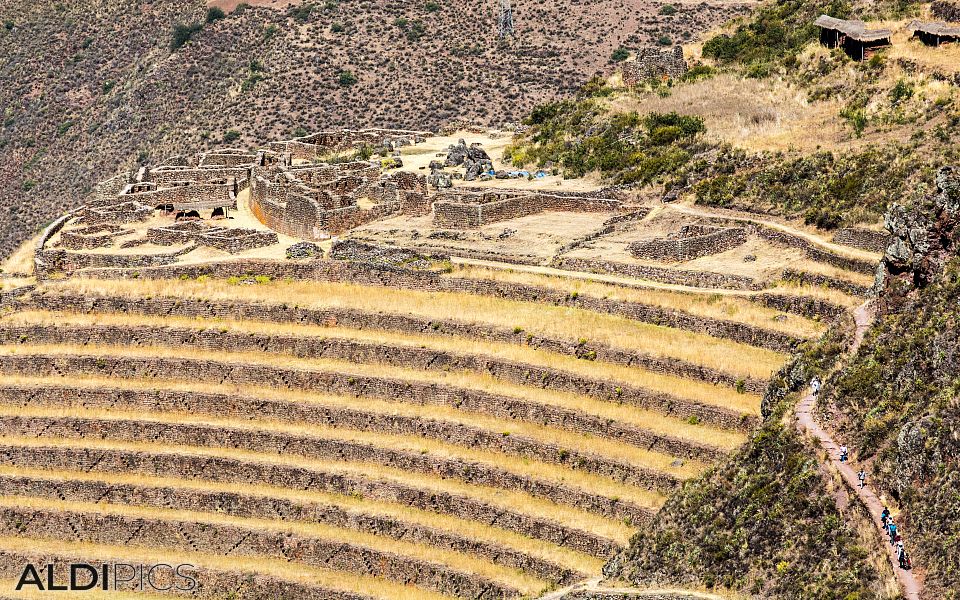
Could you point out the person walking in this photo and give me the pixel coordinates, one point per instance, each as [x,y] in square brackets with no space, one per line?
[884,517]
[862,477]
[815,386]
[893,532]
[843,453]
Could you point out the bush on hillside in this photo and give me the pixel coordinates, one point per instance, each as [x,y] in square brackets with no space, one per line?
[182,34]
[582,137]
[215,14]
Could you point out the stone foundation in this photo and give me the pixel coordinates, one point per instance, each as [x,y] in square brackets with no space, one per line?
[689,242]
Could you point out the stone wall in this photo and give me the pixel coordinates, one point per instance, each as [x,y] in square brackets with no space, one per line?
[366,274]
[163,176]
[55,260]
[357,319]
[92,236]
[807,278]
[257,506]
[402,356]
[814,252]
[865,239]
[653,63]
[689,243]
[197,465]
[219,539]
[270,443]
[661,274]
[457,209]
[232,240]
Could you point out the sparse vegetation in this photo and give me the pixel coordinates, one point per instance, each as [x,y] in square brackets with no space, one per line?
[346,78]
[214,14]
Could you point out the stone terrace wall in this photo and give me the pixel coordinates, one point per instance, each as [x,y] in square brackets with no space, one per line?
[391,390]
[239,504]
[689,244]
[465,210]
[661,274]
[814,252]
[865,239]
[271,443]
[380,321]
[194,466]
[221,539]
[367,274]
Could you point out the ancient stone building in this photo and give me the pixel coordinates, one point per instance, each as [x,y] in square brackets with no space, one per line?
[652,63]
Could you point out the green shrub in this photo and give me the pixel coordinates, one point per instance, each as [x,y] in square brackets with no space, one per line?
[301,13]
[620,54]
[28,185]
[416,31]
[231,135]
[664,40]
[214,14]
[336,28]
[668,9]
[346,78]
[182,34]
[108,86]
[269,31]
[431,6]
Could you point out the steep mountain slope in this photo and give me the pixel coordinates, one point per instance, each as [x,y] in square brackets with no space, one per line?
[93,85]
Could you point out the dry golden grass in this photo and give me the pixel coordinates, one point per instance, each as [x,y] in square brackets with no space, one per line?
[642,419]
[353,505]
[281,569]
[754,114]
[513,501]
[813,266]
[458,561]
[521,466]
[714,306]
[817,291]
[552,321]
[679,387]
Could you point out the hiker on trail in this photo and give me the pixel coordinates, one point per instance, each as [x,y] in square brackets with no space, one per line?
[904,560]
[862,476]
[815,386]
[893,532]
[843,453]
[885,516]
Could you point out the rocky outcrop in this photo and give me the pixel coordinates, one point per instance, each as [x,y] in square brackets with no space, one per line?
[924,237]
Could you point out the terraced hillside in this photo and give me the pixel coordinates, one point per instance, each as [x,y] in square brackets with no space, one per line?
[341,439]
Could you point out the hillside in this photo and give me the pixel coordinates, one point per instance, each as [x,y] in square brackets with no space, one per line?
[94,85]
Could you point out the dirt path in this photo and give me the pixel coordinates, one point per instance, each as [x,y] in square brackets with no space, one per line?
[593,585]
[598,277]
[814,239]
[806,422]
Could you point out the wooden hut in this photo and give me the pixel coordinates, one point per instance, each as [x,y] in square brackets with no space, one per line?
[853,36]
[934,34]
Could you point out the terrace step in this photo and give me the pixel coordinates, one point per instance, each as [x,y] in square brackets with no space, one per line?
[338,412]
[263,440]
[231,536]
[366,320]
[208,464]
[178,494]
[225,340]
[245,370]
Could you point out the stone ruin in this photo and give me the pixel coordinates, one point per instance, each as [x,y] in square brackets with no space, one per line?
[222,238]
[473,158]
[652,63]
[312,201]
[689,242]
[468,209]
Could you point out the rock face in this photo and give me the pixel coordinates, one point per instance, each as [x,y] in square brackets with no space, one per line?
[923,238]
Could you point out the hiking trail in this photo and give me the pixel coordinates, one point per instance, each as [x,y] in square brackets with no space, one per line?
[806,422]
